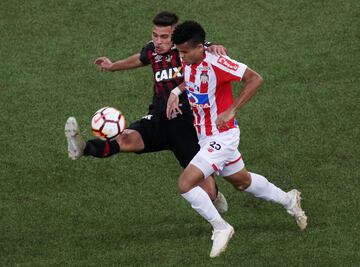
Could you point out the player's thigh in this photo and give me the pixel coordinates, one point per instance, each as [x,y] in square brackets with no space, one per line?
[183,141]
[190,178]
[233,164]
[219,154]
[153,132]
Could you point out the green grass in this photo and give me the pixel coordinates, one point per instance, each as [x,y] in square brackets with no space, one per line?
[301,130]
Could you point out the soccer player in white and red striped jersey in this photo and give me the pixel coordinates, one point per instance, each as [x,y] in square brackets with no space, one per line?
[208,87]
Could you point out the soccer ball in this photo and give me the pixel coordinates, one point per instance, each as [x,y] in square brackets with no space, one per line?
[107,123]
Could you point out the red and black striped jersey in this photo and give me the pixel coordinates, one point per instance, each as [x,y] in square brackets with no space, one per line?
[167,74]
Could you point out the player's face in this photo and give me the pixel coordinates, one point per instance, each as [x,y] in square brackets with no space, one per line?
[161,36]
[190,54]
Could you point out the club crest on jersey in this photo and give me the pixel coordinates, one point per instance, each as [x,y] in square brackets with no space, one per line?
[227,63]
[168,74]
[158,58]
[204,68]
[204,78]
[198,100]
[192,87]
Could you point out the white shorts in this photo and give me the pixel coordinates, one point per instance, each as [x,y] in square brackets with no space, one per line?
[220,154]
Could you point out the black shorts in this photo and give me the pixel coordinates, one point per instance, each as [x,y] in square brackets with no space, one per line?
[177,135]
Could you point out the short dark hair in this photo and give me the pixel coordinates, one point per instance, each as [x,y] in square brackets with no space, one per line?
[189,31]
[165,18]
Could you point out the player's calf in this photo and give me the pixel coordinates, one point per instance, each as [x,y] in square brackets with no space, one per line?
[240,180]
[209,185]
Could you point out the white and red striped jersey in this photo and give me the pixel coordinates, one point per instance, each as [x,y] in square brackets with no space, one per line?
[209,90]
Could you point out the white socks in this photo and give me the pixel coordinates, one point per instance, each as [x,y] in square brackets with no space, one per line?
[201,202]
[262,188]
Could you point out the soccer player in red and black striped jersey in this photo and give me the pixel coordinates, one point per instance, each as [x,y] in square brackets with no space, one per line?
[154,132]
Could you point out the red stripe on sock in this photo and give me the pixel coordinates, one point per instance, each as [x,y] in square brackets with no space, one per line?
[106,149]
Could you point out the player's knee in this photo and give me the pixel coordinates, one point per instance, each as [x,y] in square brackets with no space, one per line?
[126,138]
[243,182]
[190,178]
[183,186]
[130,140]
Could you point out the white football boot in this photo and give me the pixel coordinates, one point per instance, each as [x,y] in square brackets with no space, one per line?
[76,143]
[220,203]
[296,210]
[220,240]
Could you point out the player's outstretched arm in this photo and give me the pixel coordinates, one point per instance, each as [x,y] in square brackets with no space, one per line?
[131,62]
[252,81]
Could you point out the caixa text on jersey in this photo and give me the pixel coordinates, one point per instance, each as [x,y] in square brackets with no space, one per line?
[168,74]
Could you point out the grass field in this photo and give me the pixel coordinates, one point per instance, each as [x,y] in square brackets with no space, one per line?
[301,130]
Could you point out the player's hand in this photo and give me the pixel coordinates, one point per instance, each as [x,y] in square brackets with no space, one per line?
[223,119]
[104,63]
[172,106]
[217,50]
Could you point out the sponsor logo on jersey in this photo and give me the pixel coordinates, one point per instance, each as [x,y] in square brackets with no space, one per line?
[168,74]
[227,63]
[198,100]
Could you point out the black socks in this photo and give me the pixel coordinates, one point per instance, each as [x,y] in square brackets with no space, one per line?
[100,148]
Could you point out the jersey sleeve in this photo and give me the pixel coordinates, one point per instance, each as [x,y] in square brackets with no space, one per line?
[144,54]
[228,69]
